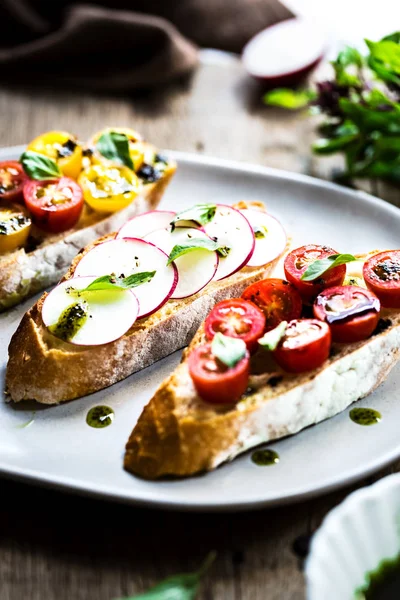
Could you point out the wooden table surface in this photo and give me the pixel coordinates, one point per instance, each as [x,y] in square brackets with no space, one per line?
[55,546]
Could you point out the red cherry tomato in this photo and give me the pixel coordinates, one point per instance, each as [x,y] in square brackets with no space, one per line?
[304,347]
[352,312]
[297,262]
[55,205]
[215,382]
[382,276]
[12,180]
[236,318]
[278,299]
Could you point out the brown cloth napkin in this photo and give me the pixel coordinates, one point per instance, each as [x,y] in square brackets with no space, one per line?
[120,45]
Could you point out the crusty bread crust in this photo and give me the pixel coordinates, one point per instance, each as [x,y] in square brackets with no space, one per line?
[179,434]
[44,368]
[23,274]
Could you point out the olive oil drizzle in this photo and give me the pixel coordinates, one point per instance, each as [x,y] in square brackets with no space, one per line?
[365,416]
[265,458]
[100,416]
[70,321]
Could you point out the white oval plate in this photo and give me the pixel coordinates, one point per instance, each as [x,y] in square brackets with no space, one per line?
[59,449]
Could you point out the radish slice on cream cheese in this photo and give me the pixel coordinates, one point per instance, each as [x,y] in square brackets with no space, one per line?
[270,237]
[234,234]
[196,268]
[142,225]
[88,318]
[126,256]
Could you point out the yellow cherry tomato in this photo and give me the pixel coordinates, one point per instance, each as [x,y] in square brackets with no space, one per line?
[63,148]
[136,149]
[108,188]
[14,229]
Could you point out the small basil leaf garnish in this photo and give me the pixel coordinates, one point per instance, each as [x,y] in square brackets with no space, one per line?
[178,587]
[196,244]
[320,266]
[199,213]
[115,147]
[271,339]
[228,350]
[39,166]
[112,282]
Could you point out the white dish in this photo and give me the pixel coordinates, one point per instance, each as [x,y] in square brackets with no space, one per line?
[353,539]
[59,449]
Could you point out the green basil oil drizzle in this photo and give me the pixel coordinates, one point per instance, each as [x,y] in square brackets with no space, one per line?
[100,416]
[365,416]
[70,321]
[383,583]
[265,458]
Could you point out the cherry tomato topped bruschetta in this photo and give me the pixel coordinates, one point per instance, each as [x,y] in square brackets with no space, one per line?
[278,299]
[215,382]
[236,318]
[297,262]
[14,228]
[63,148]
[352,312]
[108,189]
[382,276]
[12,180]
[304,346]
[55,205]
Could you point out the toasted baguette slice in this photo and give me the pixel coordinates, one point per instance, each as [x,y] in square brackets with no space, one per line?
[179,434]
[44,368]
[24,273]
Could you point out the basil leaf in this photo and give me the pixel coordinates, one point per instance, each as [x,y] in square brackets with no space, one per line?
[228,350]
[115,147]
[39,166]
[199,213]
[196,244]
[112,282]
[178,587]
[320,266]
[271,339]
[291,99]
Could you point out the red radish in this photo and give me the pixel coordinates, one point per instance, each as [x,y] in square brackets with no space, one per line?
[283,54]
[132,255]
[234,234]
[109,313]
[270,237]
[141,225]
[196,268]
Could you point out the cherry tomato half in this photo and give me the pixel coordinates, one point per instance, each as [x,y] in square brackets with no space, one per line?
[297,262]
[278,299]
[12,180]
[236,318]
[214,382]
[108,189]
[15,227]
[382,276]
[55,205]
[63,147]
[352,312]
[304,347]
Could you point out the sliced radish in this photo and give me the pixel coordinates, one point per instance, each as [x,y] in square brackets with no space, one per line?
[270,237]
[285,53]
[126,256]
[140,226]
[109,314]
[231,229]
[196,268]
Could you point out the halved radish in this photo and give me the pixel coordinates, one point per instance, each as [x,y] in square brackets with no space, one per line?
[270,237]
[231,230]
[196,268]
[141,225]
[285,53]
[126,256]
[108,314]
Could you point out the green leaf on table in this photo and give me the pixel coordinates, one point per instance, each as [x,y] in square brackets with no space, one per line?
[288,98]
[196,244]
[228,350]
[371,119]
[320,266]
[115,147]
[38,166]
[347,67]
[392,37]
[348,56]
[112,282]
[201,214]
[384,59]
[271,339]
[178,587]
